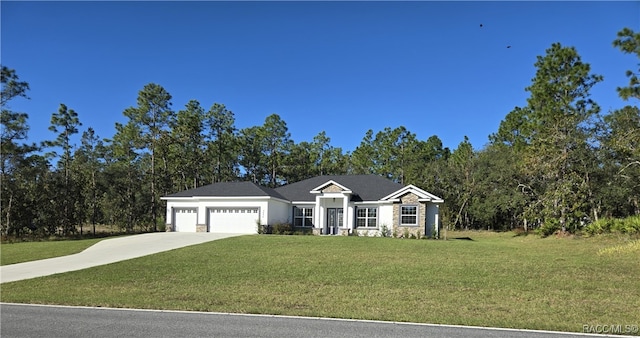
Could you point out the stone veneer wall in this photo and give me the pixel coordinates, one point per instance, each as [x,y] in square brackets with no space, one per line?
[168,227]
[332,188]
[410,198]
[201,228]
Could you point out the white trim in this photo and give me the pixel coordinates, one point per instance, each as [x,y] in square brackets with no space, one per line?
[227,198]
[422,195]
[375,202]
[317,190]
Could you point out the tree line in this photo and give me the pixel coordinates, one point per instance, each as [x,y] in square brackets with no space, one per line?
[556,163]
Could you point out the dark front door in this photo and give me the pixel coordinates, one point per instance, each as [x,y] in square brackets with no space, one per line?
[335,218]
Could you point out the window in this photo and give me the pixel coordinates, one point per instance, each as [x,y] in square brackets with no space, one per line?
[366,217]
[409,215]
[302,216]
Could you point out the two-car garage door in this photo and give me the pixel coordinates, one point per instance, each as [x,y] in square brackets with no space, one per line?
[241,220]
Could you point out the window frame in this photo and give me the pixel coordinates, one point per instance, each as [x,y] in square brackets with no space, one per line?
[401,214]
[367,217]
[306,221]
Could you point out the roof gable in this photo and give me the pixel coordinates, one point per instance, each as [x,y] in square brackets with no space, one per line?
[422,194]
[332,186]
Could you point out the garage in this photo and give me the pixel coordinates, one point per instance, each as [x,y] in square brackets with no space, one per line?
[238,220]
[185,219]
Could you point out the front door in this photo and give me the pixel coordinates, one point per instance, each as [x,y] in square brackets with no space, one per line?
[335,218]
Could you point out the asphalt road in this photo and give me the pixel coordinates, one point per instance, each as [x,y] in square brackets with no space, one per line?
[19,320]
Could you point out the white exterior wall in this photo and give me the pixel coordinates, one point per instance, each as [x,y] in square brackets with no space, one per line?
[278,212]
[350,217]
[386,216]
[270,210]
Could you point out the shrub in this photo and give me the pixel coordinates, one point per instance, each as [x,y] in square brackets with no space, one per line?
[384,231]
[548,228]
[629,225]
[434,232]
[282,229]
[264,229]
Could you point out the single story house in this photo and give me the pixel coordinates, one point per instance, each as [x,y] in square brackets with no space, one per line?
[326,205]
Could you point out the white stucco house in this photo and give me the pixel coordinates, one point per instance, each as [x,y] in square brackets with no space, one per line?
[326,205]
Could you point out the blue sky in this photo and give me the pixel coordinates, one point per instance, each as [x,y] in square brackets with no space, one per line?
[338,67]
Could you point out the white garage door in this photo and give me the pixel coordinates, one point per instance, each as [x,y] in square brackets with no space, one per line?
[185,219]
[240,220]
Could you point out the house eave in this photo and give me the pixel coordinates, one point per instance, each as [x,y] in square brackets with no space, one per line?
[432,200]
[319,192]
[223,198]
[373,202]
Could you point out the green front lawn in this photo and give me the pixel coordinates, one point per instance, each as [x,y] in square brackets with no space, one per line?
[493,280]
[11,253]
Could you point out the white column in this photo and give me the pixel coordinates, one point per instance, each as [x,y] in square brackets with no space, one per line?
[202,214]
[317,212]
[345,212]
[169,212]
[437,230]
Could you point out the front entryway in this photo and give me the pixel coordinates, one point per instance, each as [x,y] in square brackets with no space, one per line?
[335,218]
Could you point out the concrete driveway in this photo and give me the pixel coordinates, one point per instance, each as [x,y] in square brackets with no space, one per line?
[107,251]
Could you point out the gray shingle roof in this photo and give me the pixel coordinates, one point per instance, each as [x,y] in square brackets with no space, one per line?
[229,189]
[364,187]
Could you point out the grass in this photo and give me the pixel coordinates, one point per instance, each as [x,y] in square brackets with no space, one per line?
[11,253]
[492,280]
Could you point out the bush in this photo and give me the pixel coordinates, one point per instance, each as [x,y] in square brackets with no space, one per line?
[600,226]
[629,225]
[384,231]
[264,229]
[282,229]
[549,228]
